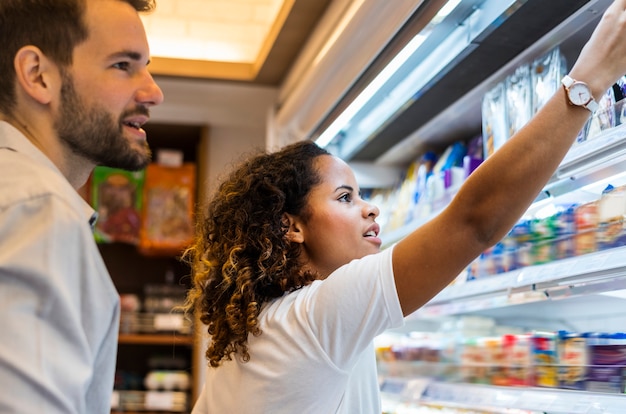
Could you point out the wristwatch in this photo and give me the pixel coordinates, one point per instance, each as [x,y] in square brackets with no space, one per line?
[579,93]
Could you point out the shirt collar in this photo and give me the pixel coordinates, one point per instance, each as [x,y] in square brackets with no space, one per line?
[12,139]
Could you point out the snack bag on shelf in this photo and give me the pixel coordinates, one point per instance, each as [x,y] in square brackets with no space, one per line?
[611,212]
[117,197]
[546,74]
[519,105]
[494,121]
[168,213]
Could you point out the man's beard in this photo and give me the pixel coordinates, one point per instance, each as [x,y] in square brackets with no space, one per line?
[93,134]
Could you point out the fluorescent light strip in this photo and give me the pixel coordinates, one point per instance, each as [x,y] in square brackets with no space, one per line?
[342,120]
[379,81]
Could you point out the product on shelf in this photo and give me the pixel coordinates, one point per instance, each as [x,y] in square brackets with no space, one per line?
[117,197]
[470,350]
[518,360]
[611,213]
[573,360]
[604,117]
[546,74]
[168,210]
[519,104]
[607,369]
[586,216]
[494,119]
[167,380]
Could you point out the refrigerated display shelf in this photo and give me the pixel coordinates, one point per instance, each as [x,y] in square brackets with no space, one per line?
[553,401]
[587,163]
[598,272]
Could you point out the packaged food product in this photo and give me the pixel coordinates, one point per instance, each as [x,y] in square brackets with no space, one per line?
[586,216]
[604,117]
[518,357]
[168,213]
[546,74]
[606,371]
[519,105]
[565,223]
[544,357]
[611,213]
[573,357]
[522,235]
[494,121]
[117,197]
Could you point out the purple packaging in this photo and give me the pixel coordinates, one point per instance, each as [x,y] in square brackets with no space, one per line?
[606,372]
[470,164]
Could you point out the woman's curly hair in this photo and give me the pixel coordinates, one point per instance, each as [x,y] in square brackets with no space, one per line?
[241,257]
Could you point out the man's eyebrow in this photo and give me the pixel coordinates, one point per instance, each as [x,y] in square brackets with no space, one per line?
[129,54]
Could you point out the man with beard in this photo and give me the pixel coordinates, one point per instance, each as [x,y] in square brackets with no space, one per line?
[74,93]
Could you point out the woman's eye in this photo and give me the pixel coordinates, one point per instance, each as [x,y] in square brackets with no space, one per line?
[345,197]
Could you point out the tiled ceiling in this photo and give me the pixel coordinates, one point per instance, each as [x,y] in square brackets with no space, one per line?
[240,40]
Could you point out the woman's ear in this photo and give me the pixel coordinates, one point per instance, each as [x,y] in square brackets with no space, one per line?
[294,232]
[33,72]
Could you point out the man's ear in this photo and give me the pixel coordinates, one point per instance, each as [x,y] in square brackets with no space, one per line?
[294,232]
[34,72]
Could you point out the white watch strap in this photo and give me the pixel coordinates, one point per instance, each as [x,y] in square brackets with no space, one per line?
[592,105]
[567,81]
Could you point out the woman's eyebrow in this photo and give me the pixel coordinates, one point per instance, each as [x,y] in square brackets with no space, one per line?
[345,187]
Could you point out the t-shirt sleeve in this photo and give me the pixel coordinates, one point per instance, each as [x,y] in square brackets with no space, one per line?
[353,305]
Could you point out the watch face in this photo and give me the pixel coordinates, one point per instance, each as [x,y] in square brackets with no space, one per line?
[579,94]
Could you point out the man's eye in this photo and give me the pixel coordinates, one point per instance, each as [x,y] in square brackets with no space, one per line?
[122,65]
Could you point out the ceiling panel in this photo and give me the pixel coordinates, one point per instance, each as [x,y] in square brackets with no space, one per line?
[240,40]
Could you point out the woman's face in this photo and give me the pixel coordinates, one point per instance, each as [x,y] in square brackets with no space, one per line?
[341,226]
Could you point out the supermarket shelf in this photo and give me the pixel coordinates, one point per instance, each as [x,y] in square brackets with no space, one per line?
[598,161]
[156,339]
[599,272]
[552,401]
[591,161]
[587,163]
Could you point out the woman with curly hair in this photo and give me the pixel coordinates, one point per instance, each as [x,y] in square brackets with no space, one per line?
[289,277]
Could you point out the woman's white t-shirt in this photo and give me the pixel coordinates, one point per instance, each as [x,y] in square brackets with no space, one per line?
[315,354]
